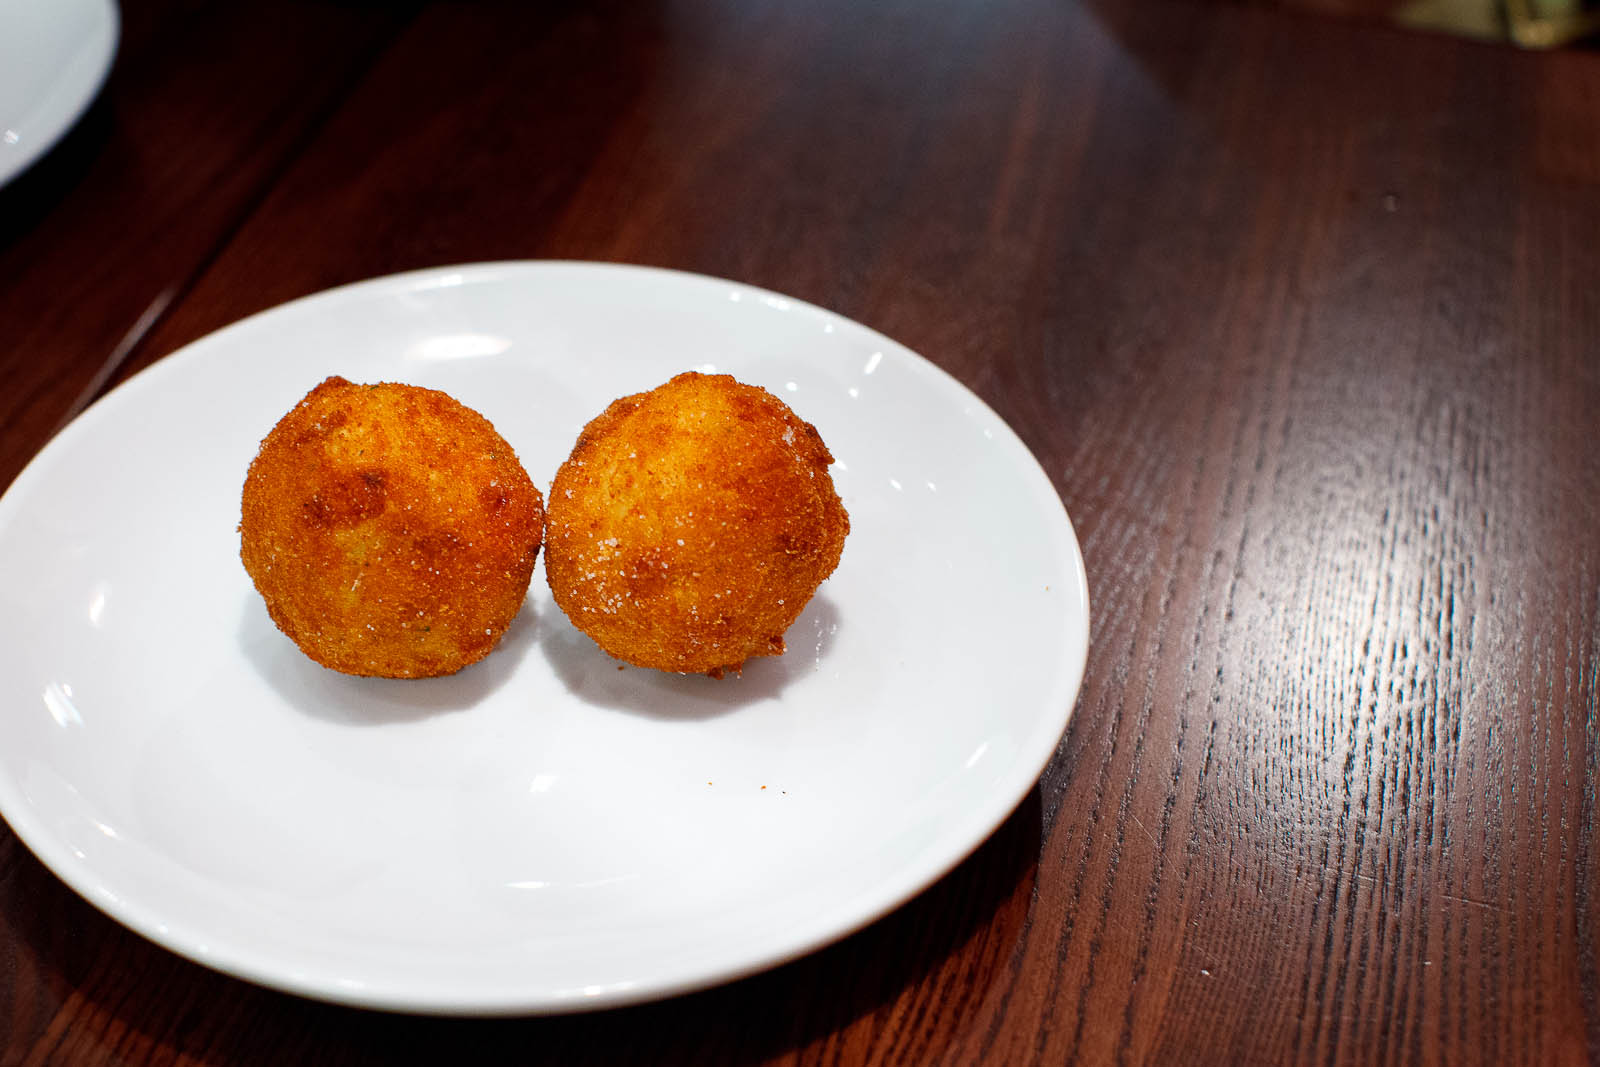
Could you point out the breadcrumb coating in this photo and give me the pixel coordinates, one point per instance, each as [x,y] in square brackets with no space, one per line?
[390,530]
[692,524]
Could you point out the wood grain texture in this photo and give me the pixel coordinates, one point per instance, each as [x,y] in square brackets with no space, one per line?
[204,104]
[1301,318]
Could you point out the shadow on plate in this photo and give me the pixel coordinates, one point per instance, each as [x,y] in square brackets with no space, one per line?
[595,678]
[345,699]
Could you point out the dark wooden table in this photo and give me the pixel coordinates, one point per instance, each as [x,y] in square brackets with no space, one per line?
[1301,315]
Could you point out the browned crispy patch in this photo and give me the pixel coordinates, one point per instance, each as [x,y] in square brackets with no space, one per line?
[390,530]
[692,524]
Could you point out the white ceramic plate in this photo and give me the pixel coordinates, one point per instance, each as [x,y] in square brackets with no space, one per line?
[543,831]
[54,55]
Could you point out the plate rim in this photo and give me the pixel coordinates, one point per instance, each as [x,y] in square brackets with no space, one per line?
[881,898]
[82,96]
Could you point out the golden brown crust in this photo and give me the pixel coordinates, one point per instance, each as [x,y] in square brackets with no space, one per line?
[390,530]
[691,525]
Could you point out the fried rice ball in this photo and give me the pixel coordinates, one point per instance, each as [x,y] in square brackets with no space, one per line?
[390,530]
[691,524]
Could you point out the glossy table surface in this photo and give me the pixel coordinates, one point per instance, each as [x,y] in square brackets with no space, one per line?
[1301,317]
